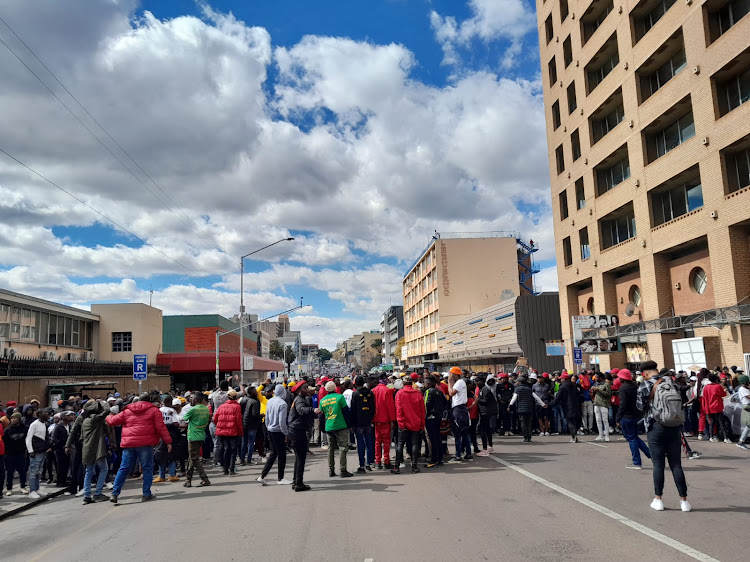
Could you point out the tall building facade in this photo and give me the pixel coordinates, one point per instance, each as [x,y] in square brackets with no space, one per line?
[648,129]
[457,274]
[391,330]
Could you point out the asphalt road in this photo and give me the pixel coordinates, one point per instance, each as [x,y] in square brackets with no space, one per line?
[550,500]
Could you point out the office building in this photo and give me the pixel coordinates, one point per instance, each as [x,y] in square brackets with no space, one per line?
[391,330]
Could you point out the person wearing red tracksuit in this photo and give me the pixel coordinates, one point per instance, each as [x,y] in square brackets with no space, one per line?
[410,415]
[385,417]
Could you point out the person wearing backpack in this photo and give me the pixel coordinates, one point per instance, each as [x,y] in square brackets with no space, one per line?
[666,417]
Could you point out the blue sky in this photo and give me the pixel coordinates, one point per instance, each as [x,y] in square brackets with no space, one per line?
[353,126]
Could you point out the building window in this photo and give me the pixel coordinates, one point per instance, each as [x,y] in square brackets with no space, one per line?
[698,280]
[733,92]
[567,252]
[618,226]
[563,10]
[738,169]
[590,306]
[122,341]
[635,295]
[594,17]
[560,159]
[643,22]
[563,199]
[652,82]
[610,176]
[575,143]
[556,115]
[552,69]
[548,29]
[567,52]
[580,194]
[583,237]
[572,102]
[677,201]
[601,126]
[602,63]
[722,19]
[671,136]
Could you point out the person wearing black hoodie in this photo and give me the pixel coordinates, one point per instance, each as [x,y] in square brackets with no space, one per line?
[488,410]
[363,411]
[570,398]
[300,422]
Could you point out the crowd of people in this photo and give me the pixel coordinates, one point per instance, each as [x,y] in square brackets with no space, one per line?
[89,443]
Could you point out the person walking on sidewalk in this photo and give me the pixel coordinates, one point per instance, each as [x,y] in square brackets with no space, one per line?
[410,416]
[94,432]
[337,415]
[197,418]
[363,411]
[277,411]
[142,427]
[300,421]
[602,393]
[628,415]
[383,421]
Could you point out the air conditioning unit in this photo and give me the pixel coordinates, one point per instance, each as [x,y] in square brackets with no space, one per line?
[88,356]
[51,355]
[74,357]
[9,353]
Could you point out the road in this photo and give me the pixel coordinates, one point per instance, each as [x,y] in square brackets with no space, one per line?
[550,500]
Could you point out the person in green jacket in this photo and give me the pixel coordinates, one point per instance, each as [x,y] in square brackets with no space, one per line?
[197,418]
[602,392]
[94,433]
[333,406]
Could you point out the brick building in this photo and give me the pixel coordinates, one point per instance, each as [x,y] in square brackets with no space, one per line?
[649,146]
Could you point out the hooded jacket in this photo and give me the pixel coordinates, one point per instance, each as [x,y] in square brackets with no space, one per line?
[228,419]
[713,398]
[435,403]
[142,425]
[570,398]
[94,432]
[300,415]
[363,407]
[410,409]
[15,439]
[628,402]
[488,405]
[251,416]
[385,408]
[277,410]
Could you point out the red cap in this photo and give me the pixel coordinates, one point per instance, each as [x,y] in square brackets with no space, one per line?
[325,380]
[722,376]
[624,374]
[614,371]
[297,386]
[545,375]
[414,377]
[565,375]
[11,403]
[503,375]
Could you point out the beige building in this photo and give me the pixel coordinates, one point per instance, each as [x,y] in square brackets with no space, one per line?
[126,329]
[649,148]
[456,275]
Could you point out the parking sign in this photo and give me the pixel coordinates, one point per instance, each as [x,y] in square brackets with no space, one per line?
[140,371]
[578,356]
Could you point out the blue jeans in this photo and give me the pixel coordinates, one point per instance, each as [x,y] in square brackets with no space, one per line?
[145,455]
[561,424]
[35,471]
[170,467]
[630,432]
[461,429]
[365,441]
[248,444]
[102,464]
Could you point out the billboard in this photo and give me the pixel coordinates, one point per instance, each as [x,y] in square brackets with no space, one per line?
[555,348]
[592,322]
[598,346]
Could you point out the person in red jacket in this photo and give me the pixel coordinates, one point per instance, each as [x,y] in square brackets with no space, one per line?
[713,404]
[410,415]
[228,420]
[142,427]
[385,417]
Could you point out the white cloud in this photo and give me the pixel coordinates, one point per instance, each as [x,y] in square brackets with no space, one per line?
[546,279]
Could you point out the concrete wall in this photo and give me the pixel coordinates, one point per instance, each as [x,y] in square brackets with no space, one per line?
[145,323]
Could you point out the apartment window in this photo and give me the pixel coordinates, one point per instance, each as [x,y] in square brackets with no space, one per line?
[602,63]
[600,127]
[563,10]
[733,92]
[609,176]
[722,19]
[738,169]
[634,295]
[671,136]
[552,69]
[560,159]
[567,52]
[575,144]
[594,17]
[652,82]
[122,341]
[583,238]
[572,102]
[698,280]
[590,306]
[548,29]
[676,201]
[556,115]
[618,226]
[643,22]
[567,252]
[563,199]
[580,194]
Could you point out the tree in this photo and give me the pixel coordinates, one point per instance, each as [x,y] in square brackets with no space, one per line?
[377,345]
[324,355]
[368,360]
[276,350]
[289,357]
[397,351]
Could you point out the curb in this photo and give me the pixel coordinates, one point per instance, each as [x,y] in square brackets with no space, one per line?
[33,503]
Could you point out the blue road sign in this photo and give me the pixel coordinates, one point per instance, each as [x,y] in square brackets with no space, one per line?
[578,356]
[140,369]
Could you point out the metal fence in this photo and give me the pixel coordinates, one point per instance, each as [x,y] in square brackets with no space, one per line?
[32,367]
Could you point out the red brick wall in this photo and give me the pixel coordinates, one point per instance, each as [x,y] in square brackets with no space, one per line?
[583,302]
[686,300]
[204,339]
[622,287]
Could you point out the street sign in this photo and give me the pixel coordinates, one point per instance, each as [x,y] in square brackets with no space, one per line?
[555,348]
[578,356]
[140,367]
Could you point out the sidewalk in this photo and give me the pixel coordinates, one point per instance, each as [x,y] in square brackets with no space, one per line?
[17,503]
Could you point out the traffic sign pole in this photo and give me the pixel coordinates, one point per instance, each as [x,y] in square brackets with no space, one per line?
[140,370]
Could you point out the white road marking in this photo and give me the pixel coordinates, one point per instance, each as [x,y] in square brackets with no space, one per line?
[664,539]
[596,444]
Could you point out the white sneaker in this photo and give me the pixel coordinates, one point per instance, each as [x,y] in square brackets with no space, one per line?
[700,437]
[600,438]
[41,492]
[67,493]
[324,447]
[483,454]
[729,441]
[8,493]
[262,481]
[685,506]
[24,490]
[657,504]
[284,482]
[491,450]
[110,485]
[606,439]
[34,496]
[79,493]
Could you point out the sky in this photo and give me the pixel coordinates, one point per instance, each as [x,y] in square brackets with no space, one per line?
[146,145]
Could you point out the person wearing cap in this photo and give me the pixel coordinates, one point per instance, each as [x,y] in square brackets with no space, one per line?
[228,420]
[300,421]
[602,394]
[383,420]
[410,416]
[337,415]
[627,418]
[458,393]
[743,392]
[570,398]
[524,399]
[167,459]
[37,445]
[277,411]
[488,409]
[15,453]
[363,412]
[197,418]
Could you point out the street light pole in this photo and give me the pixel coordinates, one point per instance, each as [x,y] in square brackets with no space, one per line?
[242,307]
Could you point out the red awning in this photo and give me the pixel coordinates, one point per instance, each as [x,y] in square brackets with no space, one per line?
[205,362]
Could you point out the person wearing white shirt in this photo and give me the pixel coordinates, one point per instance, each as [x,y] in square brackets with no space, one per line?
[458,394]
[37,445]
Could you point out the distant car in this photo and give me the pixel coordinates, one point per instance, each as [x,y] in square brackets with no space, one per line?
[733,412]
